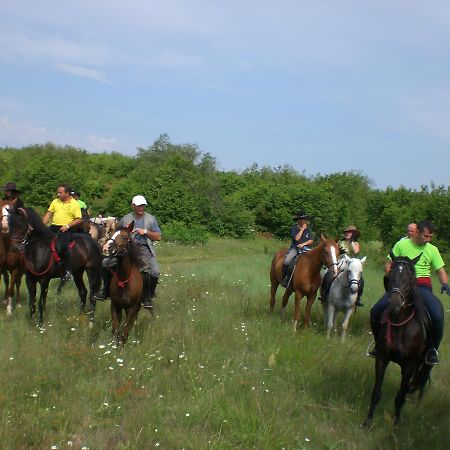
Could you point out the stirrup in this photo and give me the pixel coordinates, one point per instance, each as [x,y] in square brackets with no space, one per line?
[372,350]
[67,276]
[432,357]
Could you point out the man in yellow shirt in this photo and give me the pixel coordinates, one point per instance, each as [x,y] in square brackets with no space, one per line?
[64,212]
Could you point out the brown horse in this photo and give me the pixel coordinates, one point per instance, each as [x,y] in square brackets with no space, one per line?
[306,278]
[126,283]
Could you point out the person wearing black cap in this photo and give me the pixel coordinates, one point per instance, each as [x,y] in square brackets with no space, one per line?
[301,241]
[10,200]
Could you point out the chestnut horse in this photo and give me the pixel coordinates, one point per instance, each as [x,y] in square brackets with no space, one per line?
[126,283]
[402,336]
[306,279]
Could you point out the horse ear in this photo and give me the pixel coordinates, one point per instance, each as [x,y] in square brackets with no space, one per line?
[323,238]
[414,261]
[131,226]
[391,254]
[363,260]
[336,239]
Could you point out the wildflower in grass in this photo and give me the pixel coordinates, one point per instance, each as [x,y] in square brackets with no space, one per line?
[119,360]
[72,329]
[54,447]
[69,443]
[11,358]
[101,346]
[188,414]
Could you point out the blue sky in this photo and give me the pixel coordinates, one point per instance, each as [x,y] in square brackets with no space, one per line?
[325,86]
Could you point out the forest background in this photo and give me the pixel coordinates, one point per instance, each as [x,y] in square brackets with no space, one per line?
[192,198]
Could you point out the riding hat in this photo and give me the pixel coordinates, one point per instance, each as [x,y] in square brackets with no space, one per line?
[301,215]
[139,200]
[355,230]
[9,187]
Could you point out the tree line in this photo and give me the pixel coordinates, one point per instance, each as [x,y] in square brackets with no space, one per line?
[191,197]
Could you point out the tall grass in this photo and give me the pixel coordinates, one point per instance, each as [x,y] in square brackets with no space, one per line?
[213,369]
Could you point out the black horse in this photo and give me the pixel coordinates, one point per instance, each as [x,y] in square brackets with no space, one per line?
[402,337]
[42,262]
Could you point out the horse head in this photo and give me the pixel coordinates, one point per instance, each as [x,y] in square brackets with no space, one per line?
[121,243]
[19,228]
[354,273]
[330,254]
[401,281]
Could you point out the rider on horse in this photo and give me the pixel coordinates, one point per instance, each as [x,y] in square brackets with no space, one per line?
[146,231]
[11,199]
[419,244]
[65,213]
[301,242]
[350,247]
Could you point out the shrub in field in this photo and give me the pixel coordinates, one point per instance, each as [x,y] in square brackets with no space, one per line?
[185,234]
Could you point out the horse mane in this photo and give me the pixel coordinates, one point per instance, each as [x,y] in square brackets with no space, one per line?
[35,221]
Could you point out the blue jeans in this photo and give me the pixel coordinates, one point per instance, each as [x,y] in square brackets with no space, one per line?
[431,302]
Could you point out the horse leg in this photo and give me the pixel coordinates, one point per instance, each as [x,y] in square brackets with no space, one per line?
[347,314]
[129,321]
[407,373]
[9,295]
[42,299]
[31,285]
[82,291]
[116,317]
[298,297]
[309,302]
[273,292]
[329,317]
[284,300]
[380,370]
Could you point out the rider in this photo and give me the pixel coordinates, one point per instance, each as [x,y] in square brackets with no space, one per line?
[301,241]
[419,244]
[349,246]
[11,199]
[64,213]
[146,231]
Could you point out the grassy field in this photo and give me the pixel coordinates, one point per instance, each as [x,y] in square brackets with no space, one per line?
[212,369]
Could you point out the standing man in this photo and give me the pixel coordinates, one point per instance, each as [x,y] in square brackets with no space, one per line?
[411,231]
[420,244]
[64,212]
[146,231]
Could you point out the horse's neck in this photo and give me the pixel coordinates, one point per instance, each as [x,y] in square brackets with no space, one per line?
[123,265]
[315,257]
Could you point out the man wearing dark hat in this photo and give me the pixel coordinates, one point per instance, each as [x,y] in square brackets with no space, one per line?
[301,241]
[11,199]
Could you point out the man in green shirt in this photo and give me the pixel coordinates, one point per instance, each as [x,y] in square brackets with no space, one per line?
[420,243]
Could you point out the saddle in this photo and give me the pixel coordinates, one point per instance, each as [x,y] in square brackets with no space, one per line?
[59,247]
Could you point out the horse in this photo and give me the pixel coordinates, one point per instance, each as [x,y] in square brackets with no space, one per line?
[126,283]
[343,293]
[14,265]
[41,260]
[402,336]
[305,280]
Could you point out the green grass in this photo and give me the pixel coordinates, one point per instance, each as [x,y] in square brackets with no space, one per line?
[213,369]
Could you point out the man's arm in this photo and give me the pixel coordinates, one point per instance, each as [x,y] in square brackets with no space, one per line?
[47,217]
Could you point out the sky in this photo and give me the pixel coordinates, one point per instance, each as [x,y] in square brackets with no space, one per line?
[323,86]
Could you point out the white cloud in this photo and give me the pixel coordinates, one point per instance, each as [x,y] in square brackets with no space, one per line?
[84,72]
[20,134]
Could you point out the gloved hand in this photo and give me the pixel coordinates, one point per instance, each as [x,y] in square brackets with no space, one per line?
[445,288]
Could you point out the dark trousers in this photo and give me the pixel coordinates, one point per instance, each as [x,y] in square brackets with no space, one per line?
[62,245]
[431,302]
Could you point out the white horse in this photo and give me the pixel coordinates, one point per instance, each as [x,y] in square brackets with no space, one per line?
[343,293]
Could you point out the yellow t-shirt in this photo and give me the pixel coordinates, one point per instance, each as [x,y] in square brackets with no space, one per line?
[64,212]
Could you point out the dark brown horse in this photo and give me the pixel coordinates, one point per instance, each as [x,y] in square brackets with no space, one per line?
[42,262]
[126,283]
[402,336]
[306,278]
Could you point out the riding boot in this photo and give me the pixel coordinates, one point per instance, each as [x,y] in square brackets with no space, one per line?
[146,297]
[67,274]
[104,292]
[284,280]
[153,284]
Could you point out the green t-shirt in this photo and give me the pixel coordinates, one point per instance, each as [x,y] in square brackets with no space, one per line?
[82,204]
[431,258]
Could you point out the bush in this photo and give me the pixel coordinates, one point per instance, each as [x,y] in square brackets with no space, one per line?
[185,234]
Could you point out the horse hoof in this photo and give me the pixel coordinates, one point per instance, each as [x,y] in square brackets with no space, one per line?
[91,325]
[9,311]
